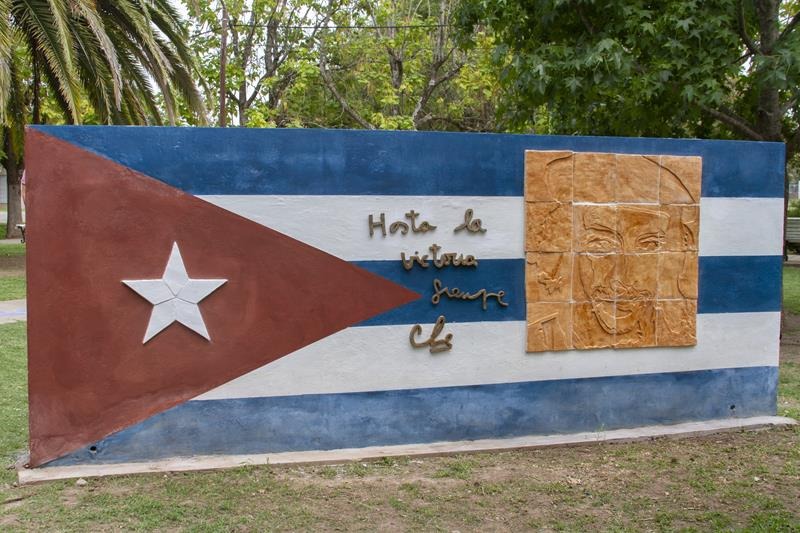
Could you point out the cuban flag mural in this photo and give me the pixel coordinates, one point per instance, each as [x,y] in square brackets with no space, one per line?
[214,292]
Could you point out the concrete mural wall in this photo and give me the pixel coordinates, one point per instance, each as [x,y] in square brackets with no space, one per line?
[209,291]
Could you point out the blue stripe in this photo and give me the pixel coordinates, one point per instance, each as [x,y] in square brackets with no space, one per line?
[491,274]
[733,284]
[727,285]
[285,161]
[354,420]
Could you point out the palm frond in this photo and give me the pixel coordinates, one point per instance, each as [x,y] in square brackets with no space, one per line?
[46,25]
[129,59]
[88,13]
[6,51]
[177,50]
[96,75]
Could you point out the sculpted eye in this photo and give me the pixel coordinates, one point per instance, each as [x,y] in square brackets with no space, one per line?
[650,241]
[600,241]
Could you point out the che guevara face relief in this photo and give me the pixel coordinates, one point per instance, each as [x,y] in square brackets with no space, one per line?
[611,248]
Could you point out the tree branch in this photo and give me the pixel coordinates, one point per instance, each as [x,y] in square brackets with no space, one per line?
[788,105]
[735,122]
[433,83]
[256,90]
[586,22]
[449,76]
[748,42]
[790,26]
[276,91]
[326,78]
[248,42]
[460,125]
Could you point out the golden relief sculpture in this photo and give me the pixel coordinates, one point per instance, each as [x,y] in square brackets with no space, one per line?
[611,249]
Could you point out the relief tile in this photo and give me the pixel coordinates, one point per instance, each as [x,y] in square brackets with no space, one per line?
[593,277]
[548,176]
[677,275]
[593,325]
[683,230]
[594,177]
[637,277]
[680,179]
[676,323]
[548,227]
[549,326]
[595,228]
[613,262]
[637,179]
[635,324]
[641,228]
[548,277]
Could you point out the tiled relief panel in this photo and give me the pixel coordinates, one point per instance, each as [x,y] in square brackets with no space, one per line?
[611,248]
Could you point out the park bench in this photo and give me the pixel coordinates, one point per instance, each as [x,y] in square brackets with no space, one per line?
[793,231]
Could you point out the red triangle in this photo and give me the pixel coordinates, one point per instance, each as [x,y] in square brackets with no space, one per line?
[93,223]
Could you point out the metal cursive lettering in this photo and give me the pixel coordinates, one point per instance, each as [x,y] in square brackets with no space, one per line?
[399,225]
[472,226]
[435,345]
[447,259]
[457,294]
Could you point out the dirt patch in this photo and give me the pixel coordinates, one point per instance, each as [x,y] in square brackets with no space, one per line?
[12,266]
[9,521]
[719,481]
[9,517]
[13,502]
[70,497]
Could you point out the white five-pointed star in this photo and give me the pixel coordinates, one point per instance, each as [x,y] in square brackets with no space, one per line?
[175,297]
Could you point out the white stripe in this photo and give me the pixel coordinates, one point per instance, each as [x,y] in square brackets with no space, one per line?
[380,358]
[741,226]
[338,224]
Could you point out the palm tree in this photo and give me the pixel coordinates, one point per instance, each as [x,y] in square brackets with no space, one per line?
[126,59]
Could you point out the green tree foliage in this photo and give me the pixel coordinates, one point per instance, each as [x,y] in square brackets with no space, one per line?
[397,66]
[269,50]
[717,68]
[108,61]
[389,64]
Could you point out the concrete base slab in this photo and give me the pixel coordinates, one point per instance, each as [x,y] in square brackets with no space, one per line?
[210,462]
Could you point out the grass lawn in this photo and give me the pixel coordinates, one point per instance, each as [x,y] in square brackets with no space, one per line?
[12,288]
[732,481]
[16,249]
[791,289]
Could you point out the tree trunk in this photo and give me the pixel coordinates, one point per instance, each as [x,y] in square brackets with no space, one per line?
[769,116]
[13,177]
[242,104]
[223,64]
[396,69]
[37,83]
[242,115]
